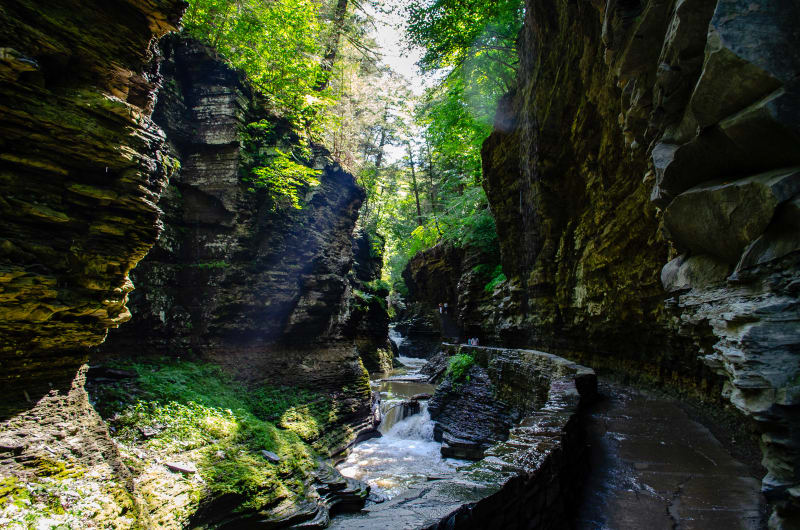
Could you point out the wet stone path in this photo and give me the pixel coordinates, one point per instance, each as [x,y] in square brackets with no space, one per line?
[655,468]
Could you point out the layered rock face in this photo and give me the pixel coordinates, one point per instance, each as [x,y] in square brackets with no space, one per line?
[82,169]
[261,289]
[452,275]
[643,179]
[368,321]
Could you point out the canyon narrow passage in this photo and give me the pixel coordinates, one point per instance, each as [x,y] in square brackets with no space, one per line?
[400,264]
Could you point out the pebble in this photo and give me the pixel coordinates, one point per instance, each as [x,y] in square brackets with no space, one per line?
[182,467]
[272,457]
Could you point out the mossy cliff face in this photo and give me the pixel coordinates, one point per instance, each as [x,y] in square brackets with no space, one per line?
[642,180]
[257,287]
[81,169]
[368,320]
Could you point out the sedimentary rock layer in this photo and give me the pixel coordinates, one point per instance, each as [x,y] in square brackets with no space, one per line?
[273,293]
[643,176]
[82,167]
[81,170]
[258,287]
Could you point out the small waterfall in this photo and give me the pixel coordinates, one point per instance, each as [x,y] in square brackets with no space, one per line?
[418,426]
[396,337]
[406,454]
[395,411]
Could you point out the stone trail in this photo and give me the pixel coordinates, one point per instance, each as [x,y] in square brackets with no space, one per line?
[653,467]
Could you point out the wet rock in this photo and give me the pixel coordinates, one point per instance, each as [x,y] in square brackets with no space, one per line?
[339,493]
[469,418]
[436,366]
[529,479]
[410,407]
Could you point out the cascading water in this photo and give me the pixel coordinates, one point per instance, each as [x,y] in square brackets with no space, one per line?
[396,337]
[406,453]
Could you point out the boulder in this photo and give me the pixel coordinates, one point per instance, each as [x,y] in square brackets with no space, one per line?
[742,63]
[781,239]
[693,272]
[721,218]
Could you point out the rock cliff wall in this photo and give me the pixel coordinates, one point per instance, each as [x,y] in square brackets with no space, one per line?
[643,176]
[82,168]
[261,288]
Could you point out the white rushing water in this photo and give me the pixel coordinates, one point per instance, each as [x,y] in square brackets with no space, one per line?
[406,453]
[396,337]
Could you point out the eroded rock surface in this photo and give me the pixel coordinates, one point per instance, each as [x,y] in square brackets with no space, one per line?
[651,142]
[83,167]
[469,418]
[260,288]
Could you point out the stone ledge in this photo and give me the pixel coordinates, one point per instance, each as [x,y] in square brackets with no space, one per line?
[530,477]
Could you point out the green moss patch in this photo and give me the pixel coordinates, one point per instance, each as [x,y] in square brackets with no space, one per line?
[458,368]
[194,412]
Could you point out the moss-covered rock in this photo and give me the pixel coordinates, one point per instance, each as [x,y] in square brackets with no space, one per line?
[81,169]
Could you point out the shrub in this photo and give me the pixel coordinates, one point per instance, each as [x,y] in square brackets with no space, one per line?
[497,278]
[459,366]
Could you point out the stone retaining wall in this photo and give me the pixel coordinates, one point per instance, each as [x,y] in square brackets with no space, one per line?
[528,481]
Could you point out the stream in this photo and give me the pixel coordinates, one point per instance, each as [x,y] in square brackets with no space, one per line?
[406,454]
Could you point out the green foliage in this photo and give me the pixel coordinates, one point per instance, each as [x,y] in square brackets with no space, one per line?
[220,264]
[275,43]
[497,278]
[454,31]
[379,286]
[284,174]
[283,178]
[363,299]
[471,45]
[459,366]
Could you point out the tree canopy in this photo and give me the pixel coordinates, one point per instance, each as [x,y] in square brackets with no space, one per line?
[318,63]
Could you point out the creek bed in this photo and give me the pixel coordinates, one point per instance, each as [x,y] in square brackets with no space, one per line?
[406,454]
[526,481]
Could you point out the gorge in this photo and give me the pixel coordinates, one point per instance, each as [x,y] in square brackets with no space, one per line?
[197,286]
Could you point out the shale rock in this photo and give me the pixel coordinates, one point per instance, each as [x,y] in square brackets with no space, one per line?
[469,418]
[238,278]
[369,317]
[648,142]
[722,218]
[83,168]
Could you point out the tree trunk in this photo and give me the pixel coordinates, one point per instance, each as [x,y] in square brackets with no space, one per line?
[432,187]
[414,183]
[332,48]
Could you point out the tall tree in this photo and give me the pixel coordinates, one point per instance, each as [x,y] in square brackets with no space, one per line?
[332,46]
[414,182]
